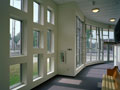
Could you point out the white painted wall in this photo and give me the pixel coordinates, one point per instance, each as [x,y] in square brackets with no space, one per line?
[66,38]
[4,45]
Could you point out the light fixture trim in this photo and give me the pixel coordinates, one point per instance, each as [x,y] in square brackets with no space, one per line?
[112,20]
[95,10]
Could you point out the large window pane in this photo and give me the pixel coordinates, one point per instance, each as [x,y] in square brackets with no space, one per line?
[105,48]
[101,40]
[93,44]
[105,38]
[88,36]
[36,12]
[16,3]
[78,42]
[94,34]
[78,48]
[15,38]
[111,52]
[111,47]
[88,45]
[94,56]
[35,66]
[105,32]
[15,75]
[36,35]
[101,56]
[88,54]
[101,33]
[111,35]
[88,42]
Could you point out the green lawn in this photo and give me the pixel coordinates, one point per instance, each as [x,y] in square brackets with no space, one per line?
[14,74]
[35,70]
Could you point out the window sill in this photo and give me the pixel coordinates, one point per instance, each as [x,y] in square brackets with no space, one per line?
[79,67]
[18,87]
[50,72]
[50,52]
[36,23]
[36,47]
[17,56]
[36,79]
[50,23]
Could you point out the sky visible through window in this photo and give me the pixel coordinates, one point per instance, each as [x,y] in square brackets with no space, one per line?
[105,32]
[94,34]
[36,12]
[13,24]
[48,16]
[16,3]
[111,34]
[15,37]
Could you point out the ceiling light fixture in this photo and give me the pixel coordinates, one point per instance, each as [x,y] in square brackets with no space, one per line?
[112,20]
[95,10]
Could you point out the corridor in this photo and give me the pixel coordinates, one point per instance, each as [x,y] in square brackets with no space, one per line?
[89,78]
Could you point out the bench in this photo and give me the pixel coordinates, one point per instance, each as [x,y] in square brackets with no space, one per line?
[111,81]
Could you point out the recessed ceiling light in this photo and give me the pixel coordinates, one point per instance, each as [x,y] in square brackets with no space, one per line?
[95,10]
[112,20]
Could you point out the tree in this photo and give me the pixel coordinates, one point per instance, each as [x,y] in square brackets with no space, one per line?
[17,38]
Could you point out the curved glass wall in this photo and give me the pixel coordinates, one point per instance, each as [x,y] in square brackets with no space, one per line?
[96,50]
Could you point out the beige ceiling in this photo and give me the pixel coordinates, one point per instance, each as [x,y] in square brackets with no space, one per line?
[108,9]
